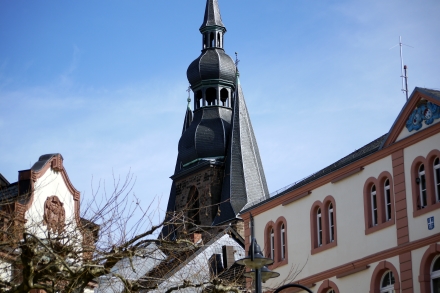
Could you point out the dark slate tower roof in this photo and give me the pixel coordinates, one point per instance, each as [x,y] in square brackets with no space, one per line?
[220,133]
[244,182]
[212,15]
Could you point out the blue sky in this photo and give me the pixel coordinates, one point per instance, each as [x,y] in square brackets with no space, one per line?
[103,82]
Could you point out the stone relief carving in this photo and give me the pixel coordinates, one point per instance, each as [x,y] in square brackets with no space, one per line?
[54,214]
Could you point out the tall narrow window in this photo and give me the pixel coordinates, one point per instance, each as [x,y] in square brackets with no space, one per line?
[211,40]
[319,227]
[437,179]
[387,284]
[435,276]
[387,195]
[331,291]
[272,244]
[283,242]
[331,223]
[422,186]
[373,205]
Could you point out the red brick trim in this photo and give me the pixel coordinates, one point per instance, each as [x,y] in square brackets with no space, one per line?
[400,124]
[277,242]
[380,200]
[432,204]
[405,261]
[353,271]
[296,198]
[383,153]
[425,267]
[326,286]
[326,244]
[380,269]
[348,174]
[379,256]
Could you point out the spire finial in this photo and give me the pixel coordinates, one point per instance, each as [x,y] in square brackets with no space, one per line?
[189,95]
[212,15]
[236,59]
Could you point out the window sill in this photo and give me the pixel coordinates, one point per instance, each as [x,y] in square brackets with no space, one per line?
[324,247]
[426,210]
[379,227]
[279,264]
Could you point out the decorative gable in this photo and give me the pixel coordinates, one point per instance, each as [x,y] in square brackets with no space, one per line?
[421,111]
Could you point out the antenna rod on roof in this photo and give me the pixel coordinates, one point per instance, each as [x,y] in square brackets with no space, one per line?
[406,81]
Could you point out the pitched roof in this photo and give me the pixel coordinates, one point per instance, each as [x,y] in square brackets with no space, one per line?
[212,15]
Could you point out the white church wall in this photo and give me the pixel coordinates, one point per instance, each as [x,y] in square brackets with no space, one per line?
[49,184]
[418,227]
[352,243]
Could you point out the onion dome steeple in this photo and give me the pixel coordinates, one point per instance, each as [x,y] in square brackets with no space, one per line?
[212,74]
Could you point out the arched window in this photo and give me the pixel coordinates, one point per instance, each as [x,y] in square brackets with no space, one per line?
[283,242]
[373,205]
[218,40]
[211,39]
[193,206]
[319,226]
[437,178]
[204,41]
[224,95]
[331,223]
[272,244]
[387,283]
[331,291]
[211,96]
[435,275]
[422,186]
[387,197]
[199,97]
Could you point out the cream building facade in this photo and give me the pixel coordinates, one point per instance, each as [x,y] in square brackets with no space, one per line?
[370,221]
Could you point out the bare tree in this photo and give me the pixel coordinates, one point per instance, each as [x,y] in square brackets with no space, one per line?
[114,231]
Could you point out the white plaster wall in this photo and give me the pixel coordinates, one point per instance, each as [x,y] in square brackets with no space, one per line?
[418,227]
[51,183]
[352,242]
[197,270]
[405,133]
[5,271]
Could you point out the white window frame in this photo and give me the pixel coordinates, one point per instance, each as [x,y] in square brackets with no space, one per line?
[374,211]
[422,177]
[319,227]
[435,274]
[331,223]
[437,178]
[272,244]
[331,291]
[388,288]
[283,241]
[387,197]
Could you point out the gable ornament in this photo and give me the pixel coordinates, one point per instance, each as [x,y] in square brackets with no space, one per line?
[426,112]
[54,214]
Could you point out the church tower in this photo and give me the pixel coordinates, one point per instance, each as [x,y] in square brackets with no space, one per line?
[218,170]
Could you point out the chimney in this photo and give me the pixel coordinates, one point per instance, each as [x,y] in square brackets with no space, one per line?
[228,256]
[195,237]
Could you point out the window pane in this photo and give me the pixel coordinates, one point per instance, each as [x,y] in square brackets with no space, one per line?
[436,285]
[436,266]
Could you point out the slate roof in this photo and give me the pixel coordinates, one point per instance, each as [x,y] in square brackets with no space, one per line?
[212,15]
[9,192]
[364,151]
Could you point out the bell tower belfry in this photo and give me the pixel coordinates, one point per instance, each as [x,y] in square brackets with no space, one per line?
[218,170]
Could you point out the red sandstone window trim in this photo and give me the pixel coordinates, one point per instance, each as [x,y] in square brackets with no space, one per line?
[379,271]
[327,239]
[432,202]
[326,286]
[385,218]
[277,227]
[425,267]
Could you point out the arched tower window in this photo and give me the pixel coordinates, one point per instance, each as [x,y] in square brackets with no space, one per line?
[437,178]
[211,39]
[283,242]
[387,197]
[319,226]
[204,41]
[387,283]
[224,95]
[198,99]
[435,275]
[272,244]
[422,186]
[331,223]
[193,206]
[373,205]
[211,96]
[218,40]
